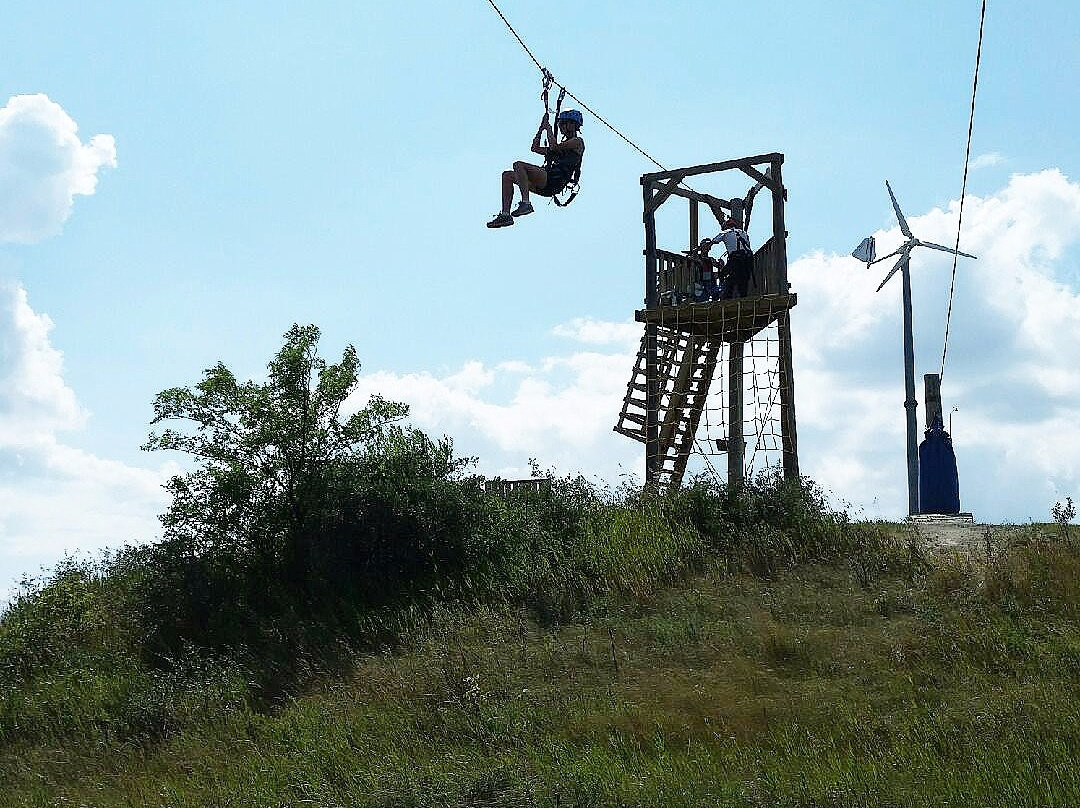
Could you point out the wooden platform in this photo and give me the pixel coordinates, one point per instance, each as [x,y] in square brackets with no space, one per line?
[725,320]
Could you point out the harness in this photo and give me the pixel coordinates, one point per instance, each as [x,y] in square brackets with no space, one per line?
[550,160]
[742,245]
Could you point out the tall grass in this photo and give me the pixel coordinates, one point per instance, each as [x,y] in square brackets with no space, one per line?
[501,653]
[116,647]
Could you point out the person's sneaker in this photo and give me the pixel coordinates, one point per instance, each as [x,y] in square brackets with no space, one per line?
[523,209]
[502,220]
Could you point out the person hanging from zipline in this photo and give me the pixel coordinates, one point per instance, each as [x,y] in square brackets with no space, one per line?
[562,166]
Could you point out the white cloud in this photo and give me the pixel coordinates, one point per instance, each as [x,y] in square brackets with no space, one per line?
[1011,368]
[43,166]
[559,411]
[986,160]
[54,497]
[598,332]
[34,401]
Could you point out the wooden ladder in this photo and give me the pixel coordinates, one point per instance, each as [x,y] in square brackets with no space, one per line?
[685,367]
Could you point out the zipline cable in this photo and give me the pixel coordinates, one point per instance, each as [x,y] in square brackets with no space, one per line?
[585,106]
[518,38]
[963,189]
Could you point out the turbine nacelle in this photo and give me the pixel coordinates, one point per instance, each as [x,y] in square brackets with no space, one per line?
[866,251]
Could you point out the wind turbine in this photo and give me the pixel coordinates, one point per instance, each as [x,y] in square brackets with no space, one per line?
[866,251]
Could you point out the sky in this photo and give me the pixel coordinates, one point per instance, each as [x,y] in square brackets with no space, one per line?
[180,184]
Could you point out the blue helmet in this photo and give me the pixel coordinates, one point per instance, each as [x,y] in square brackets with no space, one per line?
[571,115]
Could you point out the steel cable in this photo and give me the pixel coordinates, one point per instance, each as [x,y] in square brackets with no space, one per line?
[561,86]
[963,189]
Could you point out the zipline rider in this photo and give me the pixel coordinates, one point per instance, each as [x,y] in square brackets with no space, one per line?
[562,165]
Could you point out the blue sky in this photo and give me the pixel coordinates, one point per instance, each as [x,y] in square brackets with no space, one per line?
[266,163]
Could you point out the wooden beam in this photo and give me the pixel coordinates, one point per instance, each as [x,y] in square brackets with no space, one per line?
[709,200]
[731,314]
[662,195]
[709,168]
[754,174]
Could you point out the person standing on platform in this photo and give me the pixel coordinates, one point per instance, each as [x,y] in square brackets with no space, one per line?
[739,258]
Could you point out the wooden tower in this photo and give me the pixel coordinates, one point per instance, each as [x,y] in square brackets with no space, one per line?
[685,341]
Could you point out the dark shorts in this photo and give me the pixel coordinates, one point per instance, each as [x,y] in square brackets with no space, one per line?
[556,181]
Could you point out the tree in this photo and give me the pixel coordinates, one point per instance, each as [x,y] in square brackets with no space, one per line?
[1063,514]
[274,459]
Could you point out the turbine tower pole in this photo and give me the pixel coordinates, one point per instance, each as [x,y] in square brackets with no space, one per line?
[867,252]
[910,404]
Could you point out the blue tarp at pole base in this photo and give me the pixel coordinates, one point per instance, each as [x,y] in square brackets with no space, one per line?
[939,484]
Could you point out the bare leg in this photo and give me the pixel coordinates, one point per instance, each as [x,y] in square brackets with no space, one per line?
[528,178]
[522,177]
[508,179]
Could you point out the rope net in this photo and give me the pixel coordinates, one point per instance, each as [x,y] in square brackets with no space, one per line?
[761,428]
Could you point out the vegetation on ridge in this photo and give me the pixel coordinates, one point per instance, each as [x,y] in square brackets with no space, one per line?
[339,613]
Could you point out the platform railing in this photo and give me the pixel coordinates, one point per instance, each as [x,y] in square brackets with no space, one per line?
[682,278]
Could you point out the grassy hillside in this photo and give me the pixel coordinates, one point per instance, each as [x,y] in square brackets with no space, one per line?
[862,680]
[338,614]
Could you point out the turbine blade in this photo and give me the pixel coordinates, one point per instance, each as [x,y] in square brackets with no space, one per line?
[904,259]
[897,251]
[899,213]
[945,249]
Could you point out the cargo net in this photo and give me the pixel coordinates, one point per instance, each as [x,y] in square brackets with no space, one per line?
[761,427]
[718,383]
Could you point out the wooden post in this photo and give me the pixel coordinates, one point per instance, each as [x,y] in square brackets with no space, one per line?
[738,211]
[694,269]
[789,434]
[736,442]
[693,223]
[652,364]
[932,397]
[779,247]
[649,217]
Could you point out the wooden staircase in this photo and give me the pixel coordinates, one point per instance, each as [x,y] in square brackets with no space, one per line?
[685,363]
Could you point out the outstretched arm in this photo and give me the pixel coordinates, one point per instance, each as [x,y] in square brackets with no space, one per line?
[545,128]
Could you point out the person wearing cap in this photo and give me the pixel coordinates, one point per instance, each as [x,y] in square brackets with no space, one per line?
[562,163]
[739,260]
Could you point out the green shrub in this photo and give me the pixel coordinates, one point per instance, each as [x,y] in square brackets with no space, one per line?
[769,523]
[303,533]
